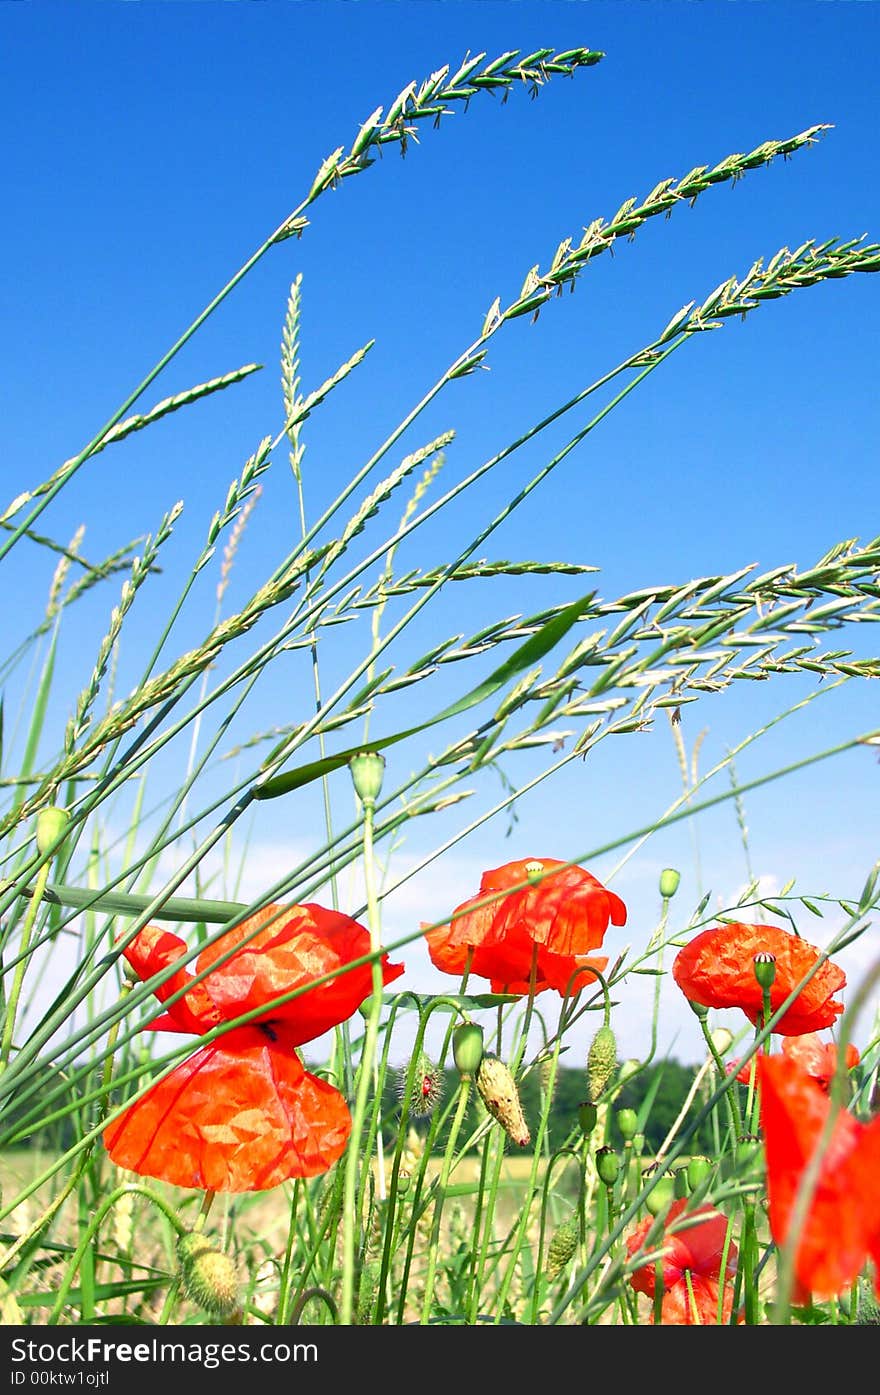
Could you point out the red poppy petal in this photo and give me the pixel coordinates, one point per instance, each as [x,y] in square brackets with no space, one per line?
[154,949]
[844,1209]
[241,1114]
[701,1309]
[717,970]
[287,952]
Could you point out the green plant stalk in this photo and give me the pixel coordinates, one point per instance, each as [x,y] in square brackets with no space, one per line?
[531,1191]
[433,1252]
[127,1189]
[351,1219]
[21,965]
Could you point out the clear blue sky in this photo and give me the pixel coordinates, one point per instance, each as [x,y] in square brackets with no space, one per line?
[152,147]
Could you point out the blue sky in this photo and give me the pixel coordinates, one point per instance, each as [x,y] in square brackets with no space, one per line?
[158,144]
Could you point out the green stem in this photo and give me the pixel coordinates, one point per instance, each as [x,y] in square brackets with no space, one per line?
[464,1091]
[22,963]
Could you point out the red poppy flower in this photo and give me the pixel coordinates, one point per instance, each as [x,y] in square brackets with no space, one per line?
[691,1265]
[555,917]
[841,1231]
[243,1113]
[717,970]
[811,1053]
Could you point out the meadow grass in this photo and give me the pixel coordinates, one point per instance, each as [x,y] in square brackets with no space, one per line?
[428,1215]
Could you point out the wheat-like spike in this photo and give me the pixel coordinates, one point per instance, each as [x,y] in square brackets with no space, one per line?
[600,236]
[234,539]
[140,570]
[431,101]
[68,556]
[290,379]
[374,501]
[132,424]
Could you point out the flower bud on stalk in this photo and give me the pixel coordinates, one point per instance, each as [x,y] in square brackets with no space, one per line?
[208,1274]
[601,1061]
[497,1090]
[563,1244]
[587,1116]
[467,1047]
[51,823]
[669,882]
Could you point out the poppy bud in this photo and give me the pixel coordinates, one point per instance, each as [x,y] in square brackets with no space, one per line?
[627,1122]
[587,1116]
[467,1047]
[628,1069]
[660,1197]
[669,881]
[563,1244]
[51,823]
[426,1088]
[722,1040]
[367,769]
[765,969]
[209,1277]
[497,1090]
[698,1169]
[607,1165]
[601,1061]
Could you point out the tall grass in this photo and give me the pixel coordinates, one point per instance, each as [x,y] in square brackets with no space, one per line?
[414,1223]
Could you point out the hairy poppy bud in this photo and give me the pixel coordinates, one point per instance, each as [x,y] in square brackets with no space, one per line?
[607,1165]
[51,823]
[497,1090]
[208,1274]
[426,1088]
[467,1047]
[627,1122]
[765,969]
[367,769]
[669,881]
[601,1061]
[563,1244]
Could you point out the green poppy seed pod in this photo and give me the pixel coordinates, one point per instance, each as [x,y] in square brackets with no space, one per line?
[51,823]
[467,1047]
[765,969]
[587,1116]
[601,1061]
[367,769]
[698,1169]
[628,1123]
[669,882]
[607,1165]
[661,1197]
[497,1090]
[747,1152]
[208,1274]
[563,1244]
[680,1183]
